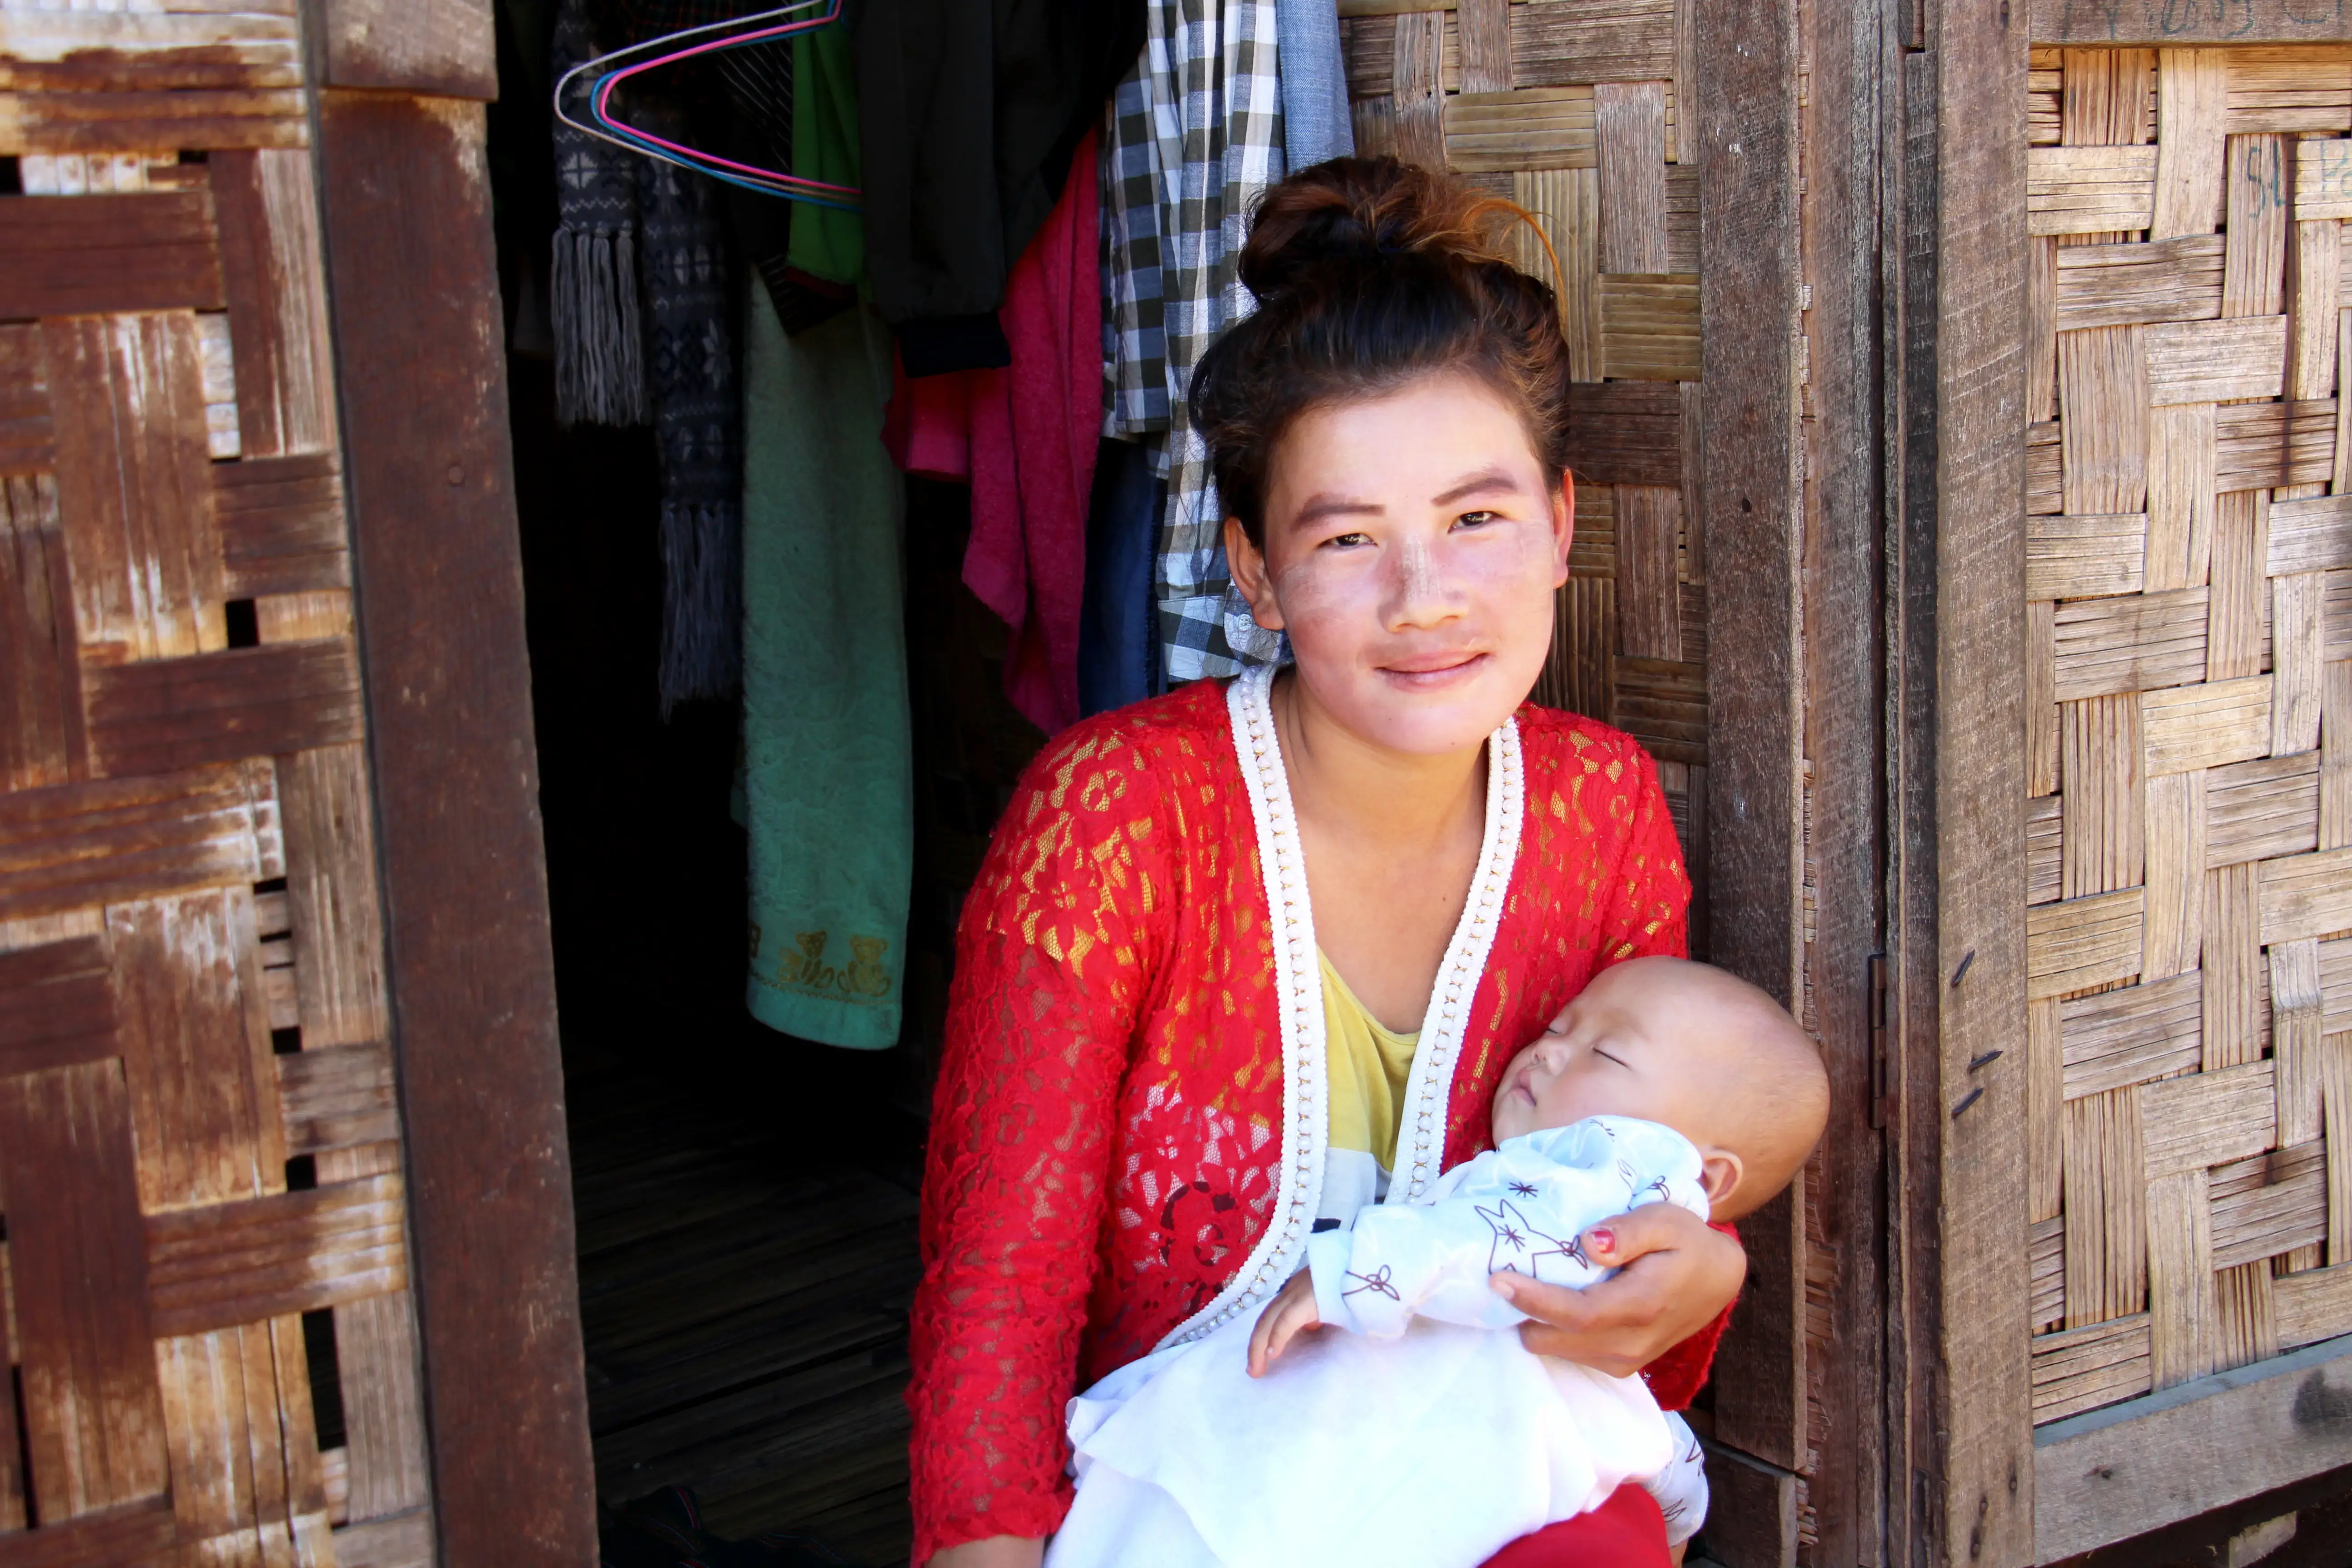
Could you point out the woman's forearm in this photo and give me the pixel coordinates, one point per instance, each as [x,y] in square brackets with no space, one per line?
[996,1551]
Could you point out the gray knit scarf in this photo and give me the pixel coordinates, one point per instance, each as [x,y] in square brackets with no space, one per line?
[599,368]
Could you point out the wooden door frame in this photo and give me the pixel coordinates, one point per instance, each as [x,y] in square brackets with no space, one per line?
[398,125]
[1989,1488]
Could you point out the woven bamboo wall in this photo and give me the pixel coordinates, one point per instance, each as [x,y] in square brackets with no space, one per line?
[2188,766]
[1572,109]
[198,1139]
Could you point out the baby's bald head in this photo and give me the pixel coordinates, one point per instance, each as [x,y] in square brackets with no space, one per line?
[1689,1045]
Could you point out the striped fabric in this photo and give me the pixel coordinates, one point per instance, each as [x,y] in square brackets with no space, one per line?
[1195,137]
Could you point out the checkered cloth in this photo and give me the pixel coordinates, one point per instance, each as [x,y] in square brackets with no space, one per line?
[1195,137]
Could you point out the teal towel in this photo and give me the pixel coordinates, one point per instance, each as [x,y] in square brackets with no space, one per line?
[828,786]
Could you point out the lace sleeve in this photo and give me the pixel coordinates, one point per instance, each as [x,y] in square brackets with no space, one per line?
[1649,903]
[1050,959]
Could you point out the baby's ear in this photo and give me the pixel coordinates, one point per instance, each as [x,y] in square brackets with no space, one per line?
[1719,1172]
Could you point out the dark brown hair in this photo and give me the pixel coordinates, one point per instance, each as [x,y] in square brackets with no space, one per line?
[1370,273]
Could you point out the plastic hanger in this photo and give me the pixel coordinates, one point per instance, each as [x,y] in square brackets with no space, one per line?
[622,64]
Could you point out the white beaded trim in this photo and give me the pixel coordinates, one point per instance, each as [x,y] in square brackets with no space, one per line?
[1298,989]
[1298,978]
[1422,1140]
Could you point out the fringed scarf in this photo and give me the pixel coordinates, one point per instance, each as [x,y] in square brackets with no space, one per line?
[599,368]
[697,420]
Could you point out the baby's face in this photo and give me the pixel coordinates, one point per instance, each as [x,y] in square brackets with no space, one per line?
[1625,1046]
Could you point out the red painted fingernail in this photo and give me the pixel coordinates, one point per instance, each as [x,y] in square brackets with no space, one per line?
[1604,1240]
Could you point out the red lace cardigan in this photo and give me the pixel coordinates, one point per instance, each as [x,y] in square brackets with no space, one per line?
[1129,1123]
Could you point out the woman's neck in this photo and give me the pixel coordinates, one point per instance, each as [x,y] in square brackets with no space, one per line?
[1384,800]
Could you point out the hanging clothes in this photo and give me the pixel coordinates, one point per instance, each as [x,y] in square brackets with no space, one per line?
[1197,136]
[829,771]
[1023,437]
[1315,125]
[1117,651]
[697,412]
[600,369]
[963,164]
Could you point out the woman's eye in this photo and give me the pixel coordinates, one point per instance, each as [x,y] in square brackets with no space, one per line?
[1474,518]
[1348,540]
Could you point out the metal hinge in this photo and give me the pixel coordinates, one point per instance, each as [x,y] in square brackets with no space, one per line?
[1880,1069]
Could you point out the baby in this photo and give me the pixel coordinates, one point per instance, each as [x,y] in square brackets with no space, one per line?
[1423,1437]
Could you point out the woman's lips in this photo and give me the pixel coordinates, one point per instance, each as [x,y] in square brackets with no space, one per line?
[1432,669]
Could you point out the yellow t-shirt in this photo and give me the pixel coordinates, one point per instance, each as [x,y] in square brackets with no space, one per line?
[1368,1068]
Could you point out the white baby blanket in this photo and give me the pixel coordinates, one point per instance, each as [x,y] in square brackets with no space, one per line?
[1428,1438]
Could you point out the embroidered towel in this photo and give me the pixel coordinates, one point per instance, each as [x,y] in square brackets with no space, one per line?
[828,791]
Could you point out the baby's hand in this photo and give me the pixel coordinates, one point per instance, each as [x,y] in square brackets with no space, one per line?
[1284,1317]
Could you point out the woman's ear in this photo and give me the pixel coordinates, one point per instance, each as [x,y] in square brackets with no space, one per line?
[1719,1172]
[1247,564]
[1564,526]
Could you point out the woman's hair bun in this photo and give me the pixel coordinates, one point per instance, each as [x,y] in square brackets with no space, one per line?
[1339,216]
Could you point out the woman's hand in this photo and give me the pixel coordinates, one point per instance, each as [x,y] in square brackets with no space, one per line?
[1289,1314]
[1676,1276]
[996,1551]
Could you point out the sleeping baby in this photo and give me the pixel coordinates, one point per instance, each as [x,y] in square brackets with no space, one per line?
[1416,1431]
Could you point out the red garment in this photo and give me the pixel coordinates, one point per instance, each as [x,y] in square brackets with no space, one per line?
[1024,438]
[1106,1146]
[1626,1531]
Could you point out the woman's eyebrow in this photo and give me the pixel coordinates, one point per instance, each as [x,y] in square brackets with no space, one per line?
[1485,481]
[1319,507]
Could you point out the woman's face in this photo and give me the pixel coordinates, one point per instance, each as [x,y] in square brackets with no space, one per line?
[1411,551]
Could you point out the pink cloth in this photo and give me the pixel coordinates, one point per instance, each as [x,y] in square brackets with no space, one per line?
[1024,438]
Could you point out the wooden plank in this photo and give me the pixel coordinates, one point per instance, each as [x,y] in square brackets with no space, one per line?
[1755,1505]
[2260,810]
[2306,895]
[66,255]
[2237,1010]
[26,446]
[2207,1118]
[2176,279]
[2083,942]
[2315,282]
[2134,1466]
[2103,389]
[1650,326]
[150,51]
[337,1098]
[2205,726]
[338,920]
[2136,643]
[2045,1110]
[1484,28]
[1531,129]
[135,1535]
[272,1257]
[2154,22]
[77,845]
[1630,130]
[463,876]
[2182,481]
[2081,1369]
[2313,1305]
[2306,88]
[2249,435]
[281,524]
[41,735]
[2106,1240]
[2296,1013]
[275,287]
[2212,362]
[1567,203]
[2323,178]
[2089,190]
[196,1050]
[1649,526]
[2183,1335]
[245,1479]
[1595,41]
[2117,1039]
[403,1541]
[2256,222]
[2041,716]
[2335,757]
[170,713]
[2191,108]
[2176,813]
[2233,644]
[2105,842]
[2309,535]
[441,49]
[2298,645]
[135,483]
[93,1419]
[1419,91]
[1625,433]
[56,1006]
[2268,1205]
[1983,1307]
[40,122]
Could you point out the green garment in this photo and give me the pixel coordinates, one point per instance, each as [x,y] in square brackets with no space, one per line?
[828,785]
[826,242]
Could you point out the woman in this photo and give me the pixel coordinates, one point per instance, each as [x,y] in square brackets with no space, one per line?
[1219,934]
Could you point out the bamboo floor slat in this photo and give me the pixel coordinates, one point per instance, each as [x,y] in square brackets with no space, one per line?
[745,1321]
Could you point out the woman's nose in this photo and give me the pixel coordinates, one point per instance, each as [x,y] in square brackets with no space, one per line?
[1421,592]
